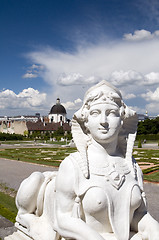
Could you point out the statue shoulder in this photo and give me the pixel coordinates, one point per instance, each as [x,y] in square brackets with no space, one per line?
[67,173]
[70,161]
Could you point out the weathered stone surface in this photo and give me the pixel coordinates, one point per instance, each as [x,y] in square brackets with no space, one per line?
[18,235]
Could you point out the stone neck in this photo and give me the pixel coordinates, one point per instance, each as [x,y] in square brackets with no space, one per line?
[107,149]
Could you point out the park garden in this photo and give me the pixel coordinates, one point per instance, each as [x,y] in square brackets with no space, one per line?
[50,150]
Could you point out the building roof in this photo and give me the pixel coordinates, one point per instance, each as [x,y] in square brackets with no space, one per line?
[40,126]
[58,108]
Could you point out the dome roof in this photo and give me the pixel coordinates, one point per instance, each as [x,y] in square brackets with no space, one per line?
[58,108]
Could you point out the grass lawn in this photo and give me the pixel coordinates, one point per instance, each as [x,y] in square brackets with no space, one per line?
[153,177]
[15,142]
[54,156]
[148,156]
[7,207]
[11,142]
[45,156]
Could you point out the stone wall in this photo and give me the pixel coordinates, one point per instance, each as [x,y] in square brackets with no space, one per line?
[17,127]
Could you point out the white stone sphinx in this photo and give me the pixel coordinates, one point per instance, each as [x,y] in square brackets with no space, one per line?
[98,191]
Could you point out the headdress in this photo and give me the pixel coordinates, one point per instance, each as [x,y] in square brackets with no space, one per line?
[104,92]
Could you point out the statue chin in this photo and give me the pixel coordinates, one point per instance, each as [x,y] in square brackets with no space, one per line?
[97,192]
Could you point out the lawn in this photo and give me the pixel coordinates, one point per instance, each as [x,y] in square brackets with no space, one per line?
[45,156]
[7,207]
[148,160]
[147,155]
[33,142]
[153,177]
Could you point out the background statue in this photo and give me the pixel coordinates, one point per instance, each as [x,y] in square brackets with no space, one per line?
[98,191]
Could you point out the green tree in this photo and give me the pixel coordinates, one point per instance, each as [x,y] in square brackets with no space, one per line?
[139,144]
[148,126]
[59,132]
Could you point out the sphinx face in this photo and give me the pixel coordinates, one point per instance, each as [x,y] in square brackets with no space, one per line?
[104,122]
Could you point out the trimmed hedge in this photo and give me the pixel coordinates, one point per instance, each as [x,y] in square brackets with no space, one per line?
[7,136]
[149,170]
[147,137]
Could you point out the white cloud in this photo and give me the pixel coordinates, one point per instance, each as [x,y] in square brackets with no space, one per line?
[129,96]
[33,71]
[6,93]
[34,97]
[151,109]
[129,65]
[70,79]
[78,100]
[138,109]
[76,78]
[98,62]
[29,75]
[140,35]
[151,78]
[34,66]
[152,96]
[30,99]
[73,105]
[121,77]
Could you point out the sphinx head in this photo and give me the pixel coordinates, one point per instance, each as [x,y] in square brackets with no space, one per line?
[103,117]
[102,112]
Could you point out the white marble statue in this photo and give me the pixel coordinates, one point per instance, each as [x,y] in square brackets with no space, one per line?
[98,191]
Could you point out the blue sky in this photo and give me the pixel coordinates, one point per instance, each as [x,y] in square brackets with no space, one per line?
[59,48]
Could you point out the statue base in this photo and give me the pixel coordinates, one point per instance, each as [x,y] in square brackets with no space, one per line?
[23,234]
[18,235]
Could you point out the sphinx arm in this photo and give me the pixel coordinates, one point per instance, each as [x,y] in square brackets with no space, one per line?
[145,224]
[149,227]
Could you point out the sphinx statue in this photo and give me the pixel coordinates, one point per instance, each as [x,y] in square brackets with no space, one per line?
[97,193]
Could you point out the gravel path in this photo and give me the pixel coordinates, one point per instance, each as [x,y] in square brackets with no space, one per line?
[13,172]
[152,195]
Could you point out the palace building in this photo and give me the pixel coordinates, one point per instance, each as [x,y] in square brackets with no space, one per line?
[57,113]
[56,118]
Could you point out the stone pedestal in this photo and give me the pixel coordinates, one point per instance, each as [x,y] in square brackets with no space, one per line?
[18,235]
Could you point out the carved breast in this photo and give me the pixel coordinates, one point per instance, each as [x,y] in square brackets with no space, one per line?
[95,200]
[95,205]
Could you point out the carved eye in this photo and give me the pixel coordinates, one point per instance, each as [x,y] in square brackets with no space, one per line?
[94,113]
[114,113]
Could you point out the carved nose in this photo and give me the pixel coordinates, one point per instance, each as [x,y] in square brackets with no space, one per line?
[103,120]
